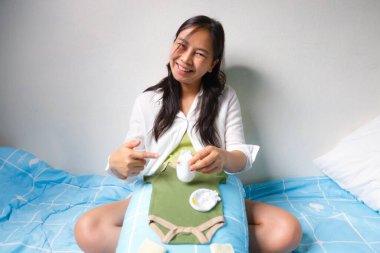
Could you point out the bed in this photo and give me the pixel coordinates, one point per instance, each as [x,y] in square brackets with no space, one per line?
[40,204]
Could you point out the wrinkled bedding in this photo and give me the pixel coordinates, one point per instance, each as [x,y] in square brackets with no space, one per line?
[39,205]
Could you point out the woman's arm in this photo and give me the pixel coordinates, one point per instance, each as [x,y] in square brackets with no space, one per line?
[236,155]
[127,161]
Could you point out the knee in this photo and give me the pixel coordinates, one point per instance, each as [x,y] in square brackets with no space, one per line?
[87,233]
[287,235]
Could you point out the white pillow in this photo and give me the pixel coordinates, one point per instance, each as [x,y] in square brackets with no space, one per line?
[354,163]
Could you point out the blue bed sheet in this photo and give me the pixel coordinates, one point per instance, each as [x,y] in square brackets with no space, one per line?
[332,219]
[39,206]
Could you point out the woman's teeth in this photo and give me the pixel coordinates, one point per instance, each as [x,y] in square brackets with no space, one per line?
[183,68]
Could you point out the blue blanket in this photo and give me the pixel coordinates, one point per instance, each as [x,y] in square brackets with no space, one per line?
[39,206]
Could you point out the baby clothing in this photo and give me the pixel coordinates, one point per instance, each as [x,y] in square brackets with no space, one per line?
[171,215]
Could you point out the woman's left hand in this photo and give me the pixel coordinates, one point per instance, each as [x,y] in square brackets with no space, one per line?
[209,160]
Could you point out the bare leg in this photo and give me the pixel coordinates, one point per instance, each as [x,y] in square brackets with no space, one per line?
[98,230]
[271,229]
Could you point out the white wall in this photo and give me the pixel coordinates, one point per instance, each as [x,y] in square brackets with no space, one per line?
[307,73]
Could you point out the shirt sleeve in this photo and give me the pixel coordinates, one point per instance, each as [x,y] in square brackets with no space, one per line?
[234,135]
[136,124]
[135,131]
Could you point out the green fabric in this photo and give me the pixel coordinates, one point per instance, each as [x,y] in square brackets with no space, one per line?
[183,145]
[170,196]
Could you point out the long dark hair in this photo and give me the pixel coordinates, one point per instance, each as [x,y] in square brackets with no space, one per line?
[212,83]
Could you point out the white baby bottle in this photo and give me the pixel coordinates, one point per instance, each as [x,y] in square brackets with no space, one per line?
[183,167]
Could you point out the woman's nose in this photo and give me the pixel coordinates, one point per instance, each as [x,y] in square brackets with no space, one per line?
[186,56]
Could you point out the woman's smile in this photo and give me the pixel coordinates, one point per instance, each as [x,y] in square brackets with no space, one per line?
[183,69]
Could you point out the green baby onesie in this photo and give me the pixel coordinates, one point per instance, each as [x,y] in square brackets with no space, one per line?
[171,215]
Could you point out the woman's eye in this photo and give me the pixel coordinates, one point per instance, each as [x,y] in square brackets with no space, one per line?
[200,54]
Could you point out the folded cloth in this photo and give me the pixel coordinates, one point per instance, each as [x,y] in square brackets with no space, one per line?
[221,248]
[149,246]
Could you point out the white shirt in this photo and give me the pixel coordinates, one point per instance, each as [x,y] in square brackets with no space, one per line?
[228,124]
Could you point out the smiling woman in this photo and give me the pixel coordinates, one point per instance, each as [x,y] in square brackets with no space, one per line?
[190,109]
[197,52]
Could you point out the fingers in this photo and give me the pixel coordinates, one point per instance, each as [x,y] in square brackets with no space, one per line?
[205,156]
[136,160]
[129,161]
[208,160]
[137,154]
[143,155]
[199,162]
[199,156]
[213,168]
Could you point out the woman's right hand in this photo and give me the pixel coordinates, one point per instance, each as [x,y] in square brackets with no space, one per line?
[126,161]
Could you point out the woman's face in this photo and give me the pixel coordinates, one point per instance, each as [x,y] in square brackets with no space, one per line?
[191,56]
